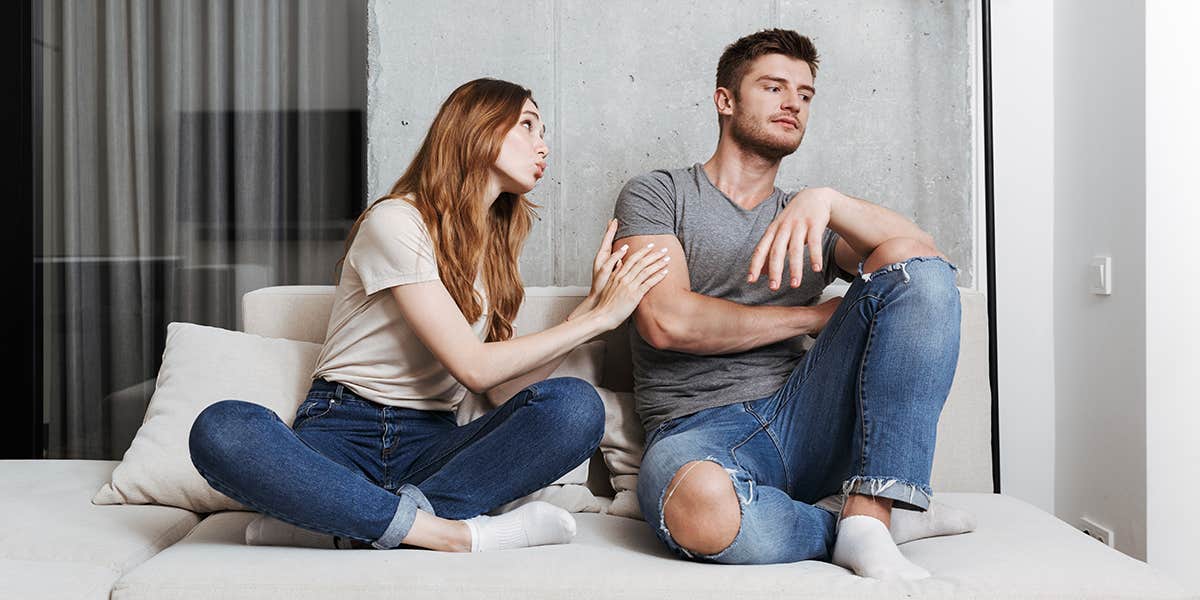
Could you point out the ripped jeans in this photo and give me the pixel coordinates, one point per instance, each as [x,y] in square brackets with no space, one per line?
[858,415]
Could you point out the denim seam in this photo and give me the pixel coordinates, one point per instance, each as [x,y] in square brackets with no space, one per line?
[384,450]
[765,425]
[224,488]
[817,358]
[862,391]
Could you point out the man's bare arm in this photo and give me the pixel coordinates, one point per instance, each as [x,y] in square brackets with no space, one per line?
[861,225]
[673,317]
[865,226]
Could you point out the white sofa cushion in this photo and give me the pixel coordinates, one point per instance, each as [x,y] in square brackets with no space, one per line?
[1017,552]
[50,580]
[46,515]
[201,366]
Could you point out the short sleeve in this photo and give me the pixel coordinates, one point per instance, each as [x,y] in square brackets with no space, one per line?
[832,270]
[392,247]
[646,206]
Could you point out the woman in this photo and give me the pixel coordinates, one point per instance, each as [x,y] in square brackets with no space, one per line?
[423,312]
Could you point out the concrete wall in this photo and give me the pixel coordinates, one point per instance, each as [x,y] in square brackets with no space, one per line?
[1172,285]
[1023,149]
[1100,341]
[626,87]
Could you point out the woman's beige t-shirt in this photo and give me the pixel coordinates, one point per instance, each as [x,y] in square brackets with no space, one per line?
[369,347]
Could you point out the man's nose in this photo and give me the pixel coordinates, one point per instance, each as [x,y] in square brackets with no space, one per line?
[791,102]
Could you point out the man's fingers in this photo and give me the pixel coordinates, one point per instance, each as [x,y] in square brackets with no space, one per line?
[795,253]
[778,255]
[759,258]
[815,237]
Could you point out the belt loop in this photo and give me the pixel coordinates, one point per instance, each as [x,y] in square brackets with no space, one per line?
[337,391]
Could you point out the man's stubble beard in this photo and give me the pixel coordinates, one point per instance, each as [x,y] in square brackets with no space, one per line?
[754,138]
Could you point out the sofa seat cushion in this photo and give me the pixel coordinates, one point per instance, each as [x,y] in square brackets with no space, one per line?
[1017,552]
[46,514]
[50,580]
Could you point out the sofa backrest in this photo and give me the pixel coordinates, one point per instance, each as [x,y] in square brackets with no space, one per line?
[963,457]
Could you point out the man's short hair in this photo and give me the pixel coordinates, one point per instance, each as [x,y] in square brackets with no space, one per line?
[736,59]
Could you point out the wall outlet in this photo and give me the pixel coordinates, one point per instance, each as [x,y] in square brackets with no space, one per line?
[1097,532]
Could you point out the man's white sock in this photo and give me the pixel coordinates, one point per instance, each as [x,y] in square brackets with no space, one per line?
[910,525]
[269,531]
[938,519]
[864,546]
[534,524]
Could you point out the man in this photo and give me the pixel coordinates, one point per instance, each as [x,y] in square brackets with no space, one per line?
[746,433]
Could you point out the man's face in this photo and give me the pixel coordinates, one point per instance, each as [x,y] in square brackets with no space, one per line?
[769,114]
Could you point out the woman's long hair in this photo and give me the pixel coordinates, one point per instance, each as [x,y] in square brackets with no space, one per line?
[447,179]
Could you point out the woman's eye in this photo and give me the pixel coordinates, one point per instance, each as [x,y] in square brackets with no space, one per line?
[527,125]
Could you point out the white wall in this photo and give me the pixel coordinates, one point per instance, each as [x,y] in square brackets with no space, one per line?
[1100,343]
[1023,149]
[1172,287]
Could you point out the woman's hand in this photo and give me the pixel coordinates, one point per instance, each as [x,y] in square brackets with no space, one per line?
[625,285]
[601,270]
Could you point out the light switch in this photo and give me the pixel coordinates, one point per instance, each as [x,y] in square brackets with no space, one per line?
[1100,275]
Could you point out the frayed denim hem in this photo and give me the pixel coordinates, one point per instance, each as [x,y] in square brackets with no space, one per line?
[904,494]
[901,266]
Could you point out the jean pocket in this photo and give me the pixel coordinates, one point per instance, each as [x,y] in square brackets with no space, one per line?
[311,410]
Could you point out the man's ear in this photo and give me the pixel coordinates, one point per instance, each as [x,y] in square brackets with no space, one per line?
[723,100]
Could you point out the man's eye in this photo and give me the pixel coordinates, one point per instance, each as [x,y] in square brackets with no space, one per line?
[774,88]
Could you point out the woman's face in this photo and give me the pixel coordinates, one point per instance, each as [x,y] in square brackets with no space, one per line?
[522,160]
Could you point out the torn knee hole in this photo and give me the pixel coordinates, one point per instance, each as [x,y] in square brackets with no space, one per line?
[701,510]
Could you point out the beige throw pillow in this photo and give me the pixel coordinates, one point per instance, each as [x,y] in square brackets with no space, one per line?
[201,366]
[622,447]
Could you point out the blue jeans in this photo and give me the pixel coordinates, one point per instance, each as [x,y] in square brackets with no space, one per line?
[352,468]
[859,415]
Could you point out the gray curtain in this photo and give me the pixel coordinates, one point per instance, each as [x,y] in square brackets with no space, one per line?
[192,151]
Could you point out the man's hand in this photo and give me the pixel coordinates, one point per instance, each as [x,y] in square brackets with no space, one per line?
[823,312]
[801,223]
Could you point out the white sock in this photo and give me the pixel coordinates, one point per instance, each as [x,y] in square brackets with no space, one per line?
[910,525]
[864,546]
[938,519]
[533,524]
[269,531]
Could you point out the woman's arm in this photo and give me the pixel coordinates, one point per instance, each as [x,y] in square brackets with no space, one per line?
[436,320]
[501,393]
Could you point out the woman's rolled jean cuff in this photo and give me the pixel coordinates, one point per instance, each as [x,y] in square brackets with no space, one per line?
[904,494]
[411,500]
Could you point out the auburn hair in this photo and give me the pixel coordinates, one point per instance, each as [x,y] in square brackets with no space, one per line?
[446,181]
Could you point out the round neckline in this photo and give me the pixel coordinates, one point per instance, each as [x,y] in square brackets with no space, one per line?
[699,168]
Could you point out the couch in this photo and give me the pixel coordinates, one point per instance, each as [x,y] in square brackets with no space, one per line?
[54,543]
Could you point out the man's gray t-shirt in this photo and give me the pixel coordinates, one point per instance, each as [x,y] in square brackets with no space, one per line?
[718,239]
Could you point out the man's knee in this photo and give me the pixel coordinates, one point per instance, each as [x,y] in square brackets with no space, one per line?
[897,250]
[701,509]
